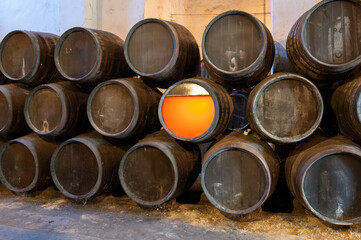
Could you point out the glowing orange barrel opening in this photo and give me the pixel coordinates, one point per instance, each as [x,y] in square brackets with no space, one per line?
[195,110]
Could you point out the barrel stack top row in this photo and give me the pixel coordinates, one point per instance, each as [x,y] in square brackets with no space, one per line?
[238,50]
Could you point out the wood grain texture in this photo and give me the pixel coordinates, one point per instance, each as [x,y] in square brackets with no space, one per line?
[124,109]
[25,162]
[57,110]
[239,173]
[12,101]
[323,174]
[86,165]
[346,104]
[90,56]
[149,174]
[28,57]
[325,43]
[158,168]
[162,52]
[238,49]
[285,108]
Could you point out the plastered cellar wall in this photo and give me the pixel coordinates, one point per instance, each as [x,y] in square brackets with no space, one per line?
[196,14]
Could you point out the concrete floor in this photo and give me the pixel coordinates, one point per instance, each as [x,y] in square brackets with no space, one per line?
[49,215]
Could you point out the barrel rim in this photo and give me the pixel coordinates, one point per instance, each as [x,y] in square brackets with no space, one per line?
[262,53]
[358,106]
[31,148]
[175,54]
[309,164]
[6,92]
[216,100]
[125,82]
[276,78]
[59,45]
[343,66]
[64,104]
[163,148]
[263,163]
[36,47]
[97,156]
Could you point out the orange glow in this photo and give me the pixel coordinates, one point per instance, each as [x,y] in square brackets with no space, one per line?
[188,116]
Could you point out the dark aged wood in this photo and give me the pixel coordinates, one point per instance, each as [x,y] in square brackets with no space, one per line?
[325,43]
[162,52]
[12,100]
[284,108]
[28,57]
[346,103]
[238,49]
[239,173]
[85,166]
[3,79]
[239,117]
[158,168]
[124,108]
[57,110]
[90,56]
[324,175]
[221,99]
[25,163]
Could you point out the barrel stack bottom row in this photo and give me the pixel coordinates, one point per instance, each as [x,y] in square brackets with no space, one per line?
[75,115]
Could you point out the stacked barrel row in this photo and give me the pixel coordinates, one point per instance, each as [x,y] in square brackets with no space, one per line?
[238,172]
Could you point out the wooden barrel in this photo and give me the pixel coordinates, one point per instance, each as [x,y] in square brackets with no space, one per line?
[284,108]
[12,100]
[346,103]
[325,43]
[85,166]
[25,162]
[124,108]
[195,110]
[28,57]
[238,49]
[239,173]
[56,110]
[239,117]
[324,175]
[158,168]
[89,56]
[161,52]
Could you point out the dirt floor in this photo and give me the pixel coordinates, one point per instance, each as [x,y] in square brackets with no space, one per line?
[50,215]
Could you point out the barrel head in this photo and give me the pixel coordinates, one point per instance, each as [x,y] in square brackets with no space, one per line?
[331,187]
[112,109]
[148,176]
[18,55]
[18,167]
[5,113]
[150,47]
[235,181]
[44,110]
[78,54]
[233,42]
[75,170]
[332,33]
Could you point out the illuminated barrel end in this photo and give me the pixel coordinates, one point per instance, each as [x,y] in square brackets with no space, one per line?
[195,110]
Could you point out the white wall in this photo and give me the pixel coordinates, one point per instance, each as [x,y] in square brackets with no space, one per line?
[36,15]
[284,13]
[119,16]
[54,16]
